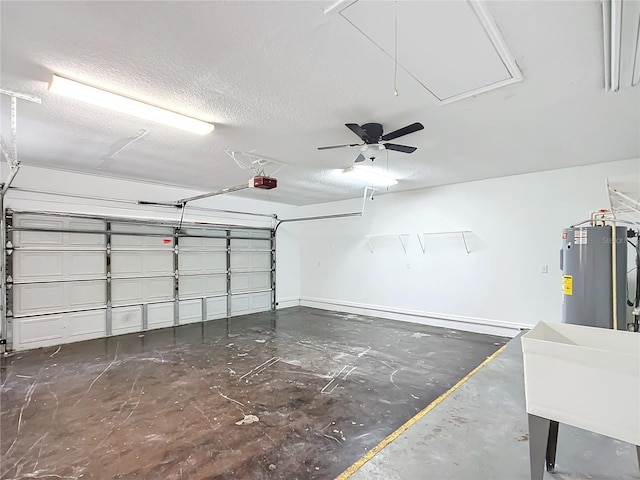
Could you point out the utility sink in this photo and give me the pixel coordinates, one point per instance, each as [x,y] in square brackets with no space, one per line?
[584,376]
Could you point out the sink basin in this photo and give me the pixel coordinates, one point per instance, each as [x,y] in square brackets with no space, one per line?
[586,377]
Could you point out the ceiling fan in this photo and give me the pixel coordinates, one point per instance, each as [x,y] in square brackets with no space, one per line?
[372,137]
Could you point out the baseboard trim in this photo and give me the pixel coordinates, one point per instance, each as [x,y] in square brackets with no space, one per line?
[471,324]
[288,302]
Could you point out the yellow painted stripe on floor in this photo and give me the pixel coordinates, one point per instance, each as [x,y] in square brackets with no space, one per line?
[375,450]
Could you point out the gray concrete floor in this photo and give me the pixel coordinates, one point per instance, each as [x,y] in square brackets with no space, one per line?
[480,432]
[294,394]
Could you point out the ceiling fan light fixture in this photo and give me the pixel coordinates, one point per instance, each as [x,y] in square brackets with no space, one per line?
[372,147]
[119,103]
[365,174]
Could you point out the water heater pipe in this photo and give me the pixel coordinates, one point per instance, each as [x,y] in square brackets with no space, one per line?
[614,282]
[599,213]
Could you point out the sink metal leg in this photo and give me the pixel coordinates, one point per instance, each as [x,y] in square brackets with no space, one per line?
[538,439]
[552,444]
[638,452]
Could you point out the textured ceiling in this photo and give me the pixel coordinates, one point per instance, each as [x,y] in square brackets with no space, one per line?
[282,78]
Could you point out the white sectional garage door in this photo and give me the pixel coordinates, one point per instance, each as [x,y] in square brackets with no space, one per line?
[59,280]
[202,265]
[142,275]
[75,278]
[251,267]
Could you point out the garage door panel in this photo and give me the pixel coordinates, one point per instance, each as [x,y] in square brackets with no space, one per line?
[160,315]
[126,290]
[34,265]
[157,288]
[239,282]
[36,239]
[190,286]
[250,303]
[131,241]
[202,242]
[126,263]
[126,320]
[261,260]
[86,325]
[47,330]
[158,262]
[25,238]
[190,242]
[93,224]
[239,260]
[85,264]
[139,290]
[39,221]
[202,285]
[140,228]
[214,284]
[260,302]
[141,263]
[247,244]
[215,243]
[86,294]
[240,244]
[38,298]
[216,307]
[49,265]
[41,331]
[141,242]
[250,281]
[86,239]
[251,233]
[162,236]
[239,304]
[260,280]
[190,262]
[250,260]
[214,261]
[190,311]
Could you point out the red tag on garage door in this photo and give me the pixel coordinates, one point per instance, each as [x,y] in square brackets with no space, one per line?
[166,241]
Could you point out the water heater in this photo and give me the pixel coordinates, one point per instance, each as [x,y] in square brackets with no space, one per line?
[586,263]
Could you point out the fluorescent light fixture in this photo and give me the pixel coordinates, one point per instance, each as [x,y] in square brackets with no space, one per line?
[368,176]
[621,43]
[119,103]
[616,24]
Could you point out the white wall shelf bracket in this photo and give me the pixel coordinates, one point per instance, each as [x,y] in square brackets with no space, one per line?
[463,234]
[403,237]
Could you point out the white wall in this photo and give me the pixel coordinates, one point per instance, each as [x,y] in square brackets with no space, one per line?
[287,258]
[516,223]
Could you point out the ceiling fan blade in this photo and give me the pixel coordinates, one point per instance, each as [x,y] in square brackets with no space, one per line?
[400,148]
[414,127]
[357,129]
[359,159]
[339,146]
